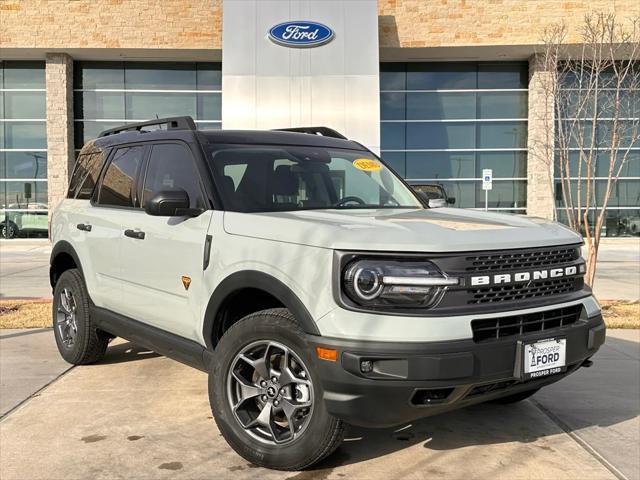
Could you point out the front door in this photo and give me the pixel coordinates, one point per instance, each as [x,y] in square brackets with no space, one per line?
[162,257]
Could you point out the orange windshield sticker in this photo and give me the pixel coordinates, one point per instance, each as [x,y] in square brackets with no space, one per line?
[367,165]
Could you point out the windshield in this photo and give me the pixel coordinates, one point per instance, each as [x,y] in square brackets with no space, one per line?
[282,178]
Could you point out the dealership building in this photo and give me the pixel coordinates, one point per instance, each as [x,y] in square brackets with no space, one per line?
[441,89]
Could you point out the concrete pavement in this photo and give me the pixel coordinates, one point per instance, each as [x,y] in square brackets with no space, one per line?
[137,415]
[29,361]
[618,270]
[24,269]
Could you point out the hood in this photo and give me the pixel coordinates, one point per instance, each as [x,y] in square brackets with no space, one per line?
[420,230]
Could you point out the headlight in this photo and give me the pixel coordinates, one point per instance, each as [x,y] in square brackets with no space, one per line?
[394,283]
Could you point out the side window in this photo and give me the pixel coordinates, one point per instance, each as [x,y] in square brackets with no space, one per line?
[79,173]
[118,183]
[85,175]
[171,166]
[94,165]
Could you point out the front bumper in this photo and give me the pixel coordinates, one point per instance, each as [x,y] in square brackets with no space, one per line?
[411,380]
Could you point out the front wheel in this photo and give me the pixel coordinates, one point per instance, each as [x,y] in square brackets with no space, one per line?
[265,396]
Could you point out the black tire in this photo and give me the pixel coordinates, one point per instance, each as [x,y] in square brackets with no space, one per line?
[323,433]
[8,229]
[516,397]
[89,344]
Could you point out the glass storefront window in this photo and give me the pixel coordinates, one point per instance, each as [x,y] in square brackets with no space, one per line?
[440,106]
[25,135]
[622,216]
[108,94]
[21,105]
[445,122]
[441,76]
[23,165]
[23,75]
[23,154]
[431,165]
[618,222]
[441,135]
[147,105]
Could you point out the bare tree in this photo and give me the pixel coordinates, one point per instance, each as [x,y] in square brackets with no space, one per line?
[592,88]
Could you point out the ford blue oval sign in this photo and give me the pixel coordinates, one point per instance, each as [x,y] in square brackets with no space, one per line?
[300,34]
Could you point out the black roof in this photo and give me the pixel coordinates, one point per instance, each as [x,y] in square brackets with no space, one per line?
[184,128]
[271,137]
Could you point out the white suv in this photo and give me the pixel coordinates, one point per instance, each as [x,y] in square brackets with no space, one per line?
[310,282]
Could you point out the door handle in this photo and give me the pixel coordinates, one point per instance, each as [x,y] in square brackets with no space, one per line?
[134,234]
[85,227]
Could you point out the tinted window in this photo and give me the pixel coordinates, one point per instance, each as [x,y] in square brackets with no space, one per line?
[119,180]
[79,172]
[439,76]
[85,176]
[171,166]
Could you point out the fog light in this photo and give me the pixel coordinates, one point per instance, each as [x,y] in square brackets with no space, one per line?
[366,366]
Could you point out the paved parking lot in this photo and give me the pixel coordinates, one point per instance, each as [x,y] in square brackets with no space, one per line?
[137,415]
[24,268]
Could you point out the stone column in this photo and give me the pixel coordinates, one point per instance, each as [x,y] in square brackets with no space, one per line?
[60,156]
[540,196]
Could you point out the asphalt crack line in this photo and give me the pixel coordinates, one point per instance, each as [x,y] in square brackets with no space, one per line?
[36,393]
[580,441]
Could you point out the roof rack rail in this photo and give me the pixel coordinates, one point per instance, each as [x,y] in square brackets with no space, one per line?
[323,131]
[172,123]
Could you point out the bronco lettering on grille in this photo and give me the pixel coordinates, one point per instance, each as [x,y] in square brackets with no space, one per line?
[519,277]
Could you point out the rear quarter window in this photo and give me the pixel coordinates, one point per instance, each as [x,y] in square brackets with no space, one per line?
[85,175]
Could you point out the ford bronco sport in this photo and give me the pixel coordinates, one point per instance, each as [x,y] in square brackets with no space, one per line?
[308,280]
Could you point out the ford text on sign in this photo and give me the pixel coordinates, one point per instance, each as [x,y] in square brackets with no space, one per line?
[301,34]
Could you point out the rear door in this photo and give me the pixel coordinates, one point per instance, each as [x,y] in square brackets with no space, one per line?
[92,230]
[114,198]
[163,261]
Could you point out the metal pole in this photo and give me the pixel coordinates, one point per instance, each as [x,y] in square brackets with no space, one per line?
[486,200]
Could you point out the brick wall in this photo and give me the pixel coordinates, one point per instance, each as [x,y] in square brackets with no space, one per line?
[59,84]
[197,24]
[434,23]
[540,140]
[167,24]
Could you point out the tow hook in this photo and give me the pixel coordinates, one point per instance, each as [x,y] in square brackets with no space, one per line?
[587,363]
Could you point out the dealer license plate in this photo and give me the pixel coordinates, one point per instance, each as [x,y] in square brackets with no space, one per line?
[546,357]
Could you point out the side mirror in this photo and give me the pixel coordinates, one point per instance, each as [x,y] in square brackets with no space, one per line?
[170,203]
[451,200]
[437,203]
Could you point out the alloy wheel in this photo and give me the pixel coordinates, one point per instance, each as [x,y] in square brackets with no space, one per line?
[270,392]
[66,318]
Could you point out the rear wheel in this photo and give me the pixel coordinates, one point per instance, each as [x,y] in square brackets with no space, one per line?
[516,397]
[78,340]
[265,396]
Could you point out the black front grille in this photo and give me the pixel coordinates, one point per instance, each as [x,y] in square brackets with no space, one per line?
[522,291]
[500,327]
[522,259]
